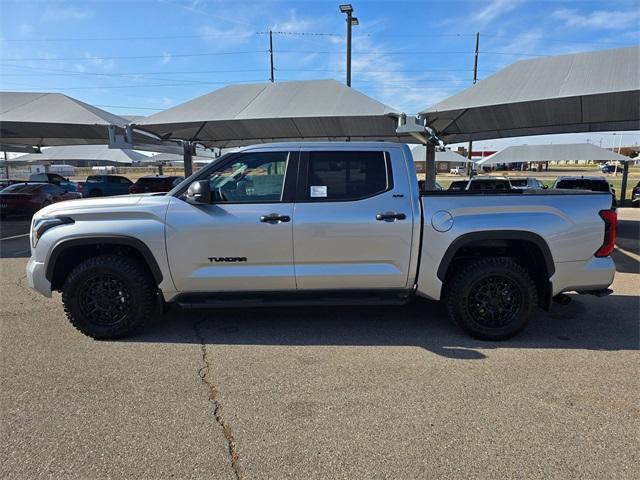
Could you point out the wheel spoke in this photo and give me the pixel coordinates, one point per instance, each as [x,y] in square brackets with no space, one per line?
[494,301]
[104,300]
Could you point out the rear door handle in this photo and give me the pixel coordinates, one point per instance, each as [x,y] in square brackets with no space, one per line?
[274,218]
[390,216]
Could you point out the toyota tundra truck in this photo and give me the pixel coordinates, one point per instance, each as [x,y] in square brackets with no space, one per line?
[331,223]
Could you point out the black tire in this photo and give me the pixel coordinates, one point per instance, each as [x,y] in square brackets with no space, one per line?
[109,296]
[491,298]
[46,203]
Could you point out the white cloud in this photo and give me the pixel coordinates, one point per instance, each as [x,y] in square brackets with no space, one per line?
[493,10]
[62,13]
[166,58]
[106,64]
[599,19]
[293,24]
[225,36]
[167,101]
[374,74]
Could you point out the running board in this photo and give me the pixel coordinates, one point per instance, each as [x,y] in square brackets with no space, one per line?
[226,300]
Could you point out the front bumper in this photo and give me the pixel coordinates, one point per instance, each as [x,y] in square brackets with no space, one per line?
[36,277]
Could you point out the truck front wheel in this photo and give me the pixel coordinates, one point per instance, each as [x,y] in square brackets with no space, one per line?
[491,298]
[109,296]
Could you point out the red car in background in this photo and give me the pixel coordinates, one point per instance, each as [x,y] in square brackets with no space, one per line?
[27,198]
[158,183]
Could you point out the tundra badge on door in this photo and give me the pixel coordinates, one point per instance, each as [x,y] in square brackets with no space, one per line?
[227,259]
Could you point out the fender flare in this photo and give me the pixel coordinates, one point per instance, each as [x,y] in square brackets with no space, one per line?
[131,242]
[468,238]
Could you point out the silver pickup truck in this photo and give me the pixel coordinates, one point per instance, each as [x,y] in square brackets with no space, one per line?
[321,223]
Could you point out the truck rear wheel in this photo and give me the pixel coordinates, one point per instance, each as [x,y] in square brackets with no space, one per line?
[109,296]
[491,298]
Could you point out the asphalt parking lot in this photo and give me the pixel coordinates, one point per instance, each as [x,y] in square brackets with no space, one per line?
[321,393]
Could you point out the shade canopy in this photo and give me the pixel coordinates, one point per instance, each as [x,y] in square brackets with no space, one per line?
[74,154]
[172,158]
[551,153]
[419,152]
[44,119]
[594,91]
[239,115]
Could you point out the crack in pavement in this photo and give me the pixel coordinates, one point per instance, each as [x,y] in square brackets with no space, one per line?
[204,372]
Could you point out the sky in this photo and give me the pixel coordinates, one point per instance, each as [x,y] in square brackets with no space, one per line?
[140,57]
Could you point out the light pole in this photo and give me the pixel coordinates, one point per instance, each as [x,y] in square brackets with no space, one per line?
[351,20]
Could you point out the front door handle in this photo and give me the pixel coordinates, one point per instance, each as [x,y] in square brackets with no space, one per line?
[274,218]
[390,216]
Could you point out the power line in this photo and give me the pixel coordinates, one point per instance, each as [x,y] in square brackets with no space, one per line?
[132,57]
[226,35]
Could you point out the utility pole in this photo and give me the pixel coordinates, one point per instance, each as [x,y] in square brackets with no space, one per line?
[351,20]
[271,53]
[475,79]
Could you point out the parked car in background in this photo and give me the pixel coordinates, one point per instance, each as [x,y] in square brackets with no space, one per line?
[488,184]
[608,168]
[104,186]
[56,179]
[460,170]
[524,183]
[5,183]
[458,185]
[437,186]
[152,184]
[594,184]
[635,195]
[27,198]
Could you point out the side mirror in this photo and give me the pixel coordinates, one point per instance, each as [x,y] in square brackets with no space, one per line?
[199,192]
[544,187]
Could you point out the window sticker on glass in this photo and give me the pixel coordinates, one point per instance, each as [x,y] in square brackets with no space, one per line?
[318,191]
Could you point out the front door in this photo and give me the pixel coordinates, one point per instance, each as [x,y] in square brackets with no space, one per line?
[243,240]
[354,220]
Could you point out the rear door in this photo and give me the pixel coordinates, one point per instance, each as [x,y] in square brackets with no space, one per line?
[243,240]
[353,220]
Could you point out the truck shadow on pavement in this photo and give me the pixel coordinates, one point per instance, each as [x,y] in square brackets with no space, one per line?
[587,323]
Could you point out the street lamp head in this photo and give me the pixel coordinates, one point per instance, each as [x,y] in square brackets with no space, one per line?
[354,21]
[346,8]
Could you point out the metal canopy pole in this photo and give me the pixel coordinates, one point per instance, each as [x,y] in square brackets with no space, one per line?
[625,178]
[271,53]
[475,80]
[430,166]
[187,157]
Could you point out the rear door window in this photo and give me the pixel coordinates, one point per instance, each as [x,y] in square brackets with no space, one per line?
[342,176]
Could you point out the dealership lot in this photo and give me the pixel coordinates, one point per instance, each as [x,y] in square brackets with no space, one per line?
[321,393]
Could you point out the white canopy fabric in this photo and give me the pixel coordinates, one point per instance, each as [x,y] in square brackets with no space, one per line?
[239,115]
[44,119]
[419,153]
[551,153]
[95,154]
[583,92]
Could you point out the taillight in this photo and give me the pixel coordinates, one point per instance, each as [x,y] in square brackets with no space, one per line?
[610,226]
